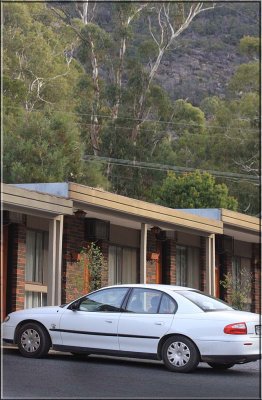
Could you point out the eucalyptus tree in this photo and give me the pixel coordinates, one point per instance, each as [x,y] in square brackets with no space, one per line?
[234,130]
[166,22]
[40,131]
[100,51]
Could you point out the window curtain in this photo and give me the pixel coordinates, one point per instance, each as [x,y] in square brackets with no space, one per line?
[181,265]
[122,263]
[36,256]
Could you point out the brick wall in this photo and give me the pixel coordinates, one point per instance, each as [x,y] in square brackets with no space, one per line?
[226,267]
[18,262]
[202,265]
[169,262]
[151,264]
[256,279]
[104,248]
[72,274]
[73,285]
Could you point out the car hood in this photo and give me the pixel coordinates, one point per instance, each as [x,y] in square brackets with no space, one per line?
[39,310]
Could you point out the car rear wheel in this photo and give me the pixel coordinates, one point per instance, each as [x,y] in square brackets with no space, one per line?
[180,354]
[221,366]
[33,340]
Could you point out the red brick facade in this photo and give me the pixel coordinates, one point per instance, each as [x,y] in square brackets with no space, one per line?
[169,262]
[18,266]
[202,266]
[256,279]
[151,264]
[72,274]
[104,248]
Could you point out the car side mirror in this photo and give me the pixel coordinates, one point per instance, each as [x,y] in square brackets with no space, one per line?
[75,306]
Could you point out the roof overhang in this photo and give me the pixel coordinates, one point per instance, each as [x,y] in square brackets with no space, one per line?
[120,209]
[34,203]
[241,226]
[49,199]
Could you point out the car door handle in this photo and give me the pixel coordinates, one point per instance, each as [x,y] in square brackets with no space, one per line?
[109,321]
[159,323]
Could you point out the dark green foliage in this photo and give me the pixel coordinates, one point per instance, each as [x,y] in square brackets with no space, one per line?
[42,148]
[195,190]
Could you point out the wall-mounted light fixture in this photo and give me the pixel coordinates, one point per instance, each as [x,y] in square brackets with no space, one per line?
[80,213]
[155,230]
[158,233]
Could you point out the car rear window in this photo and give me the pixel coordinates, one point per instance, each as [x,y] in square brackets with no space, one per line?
[205,302]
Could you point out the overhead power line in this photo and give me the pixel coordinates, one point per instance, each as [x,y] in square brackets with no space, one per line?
[163,167]
[165,123]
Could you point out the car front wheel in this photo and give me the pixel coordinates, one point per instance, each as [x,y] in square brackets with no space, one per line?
[221,366]
[180,354]
[33,341]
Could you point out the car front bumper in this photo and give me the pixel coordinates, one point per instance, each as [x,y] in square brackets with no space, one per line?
[8,332]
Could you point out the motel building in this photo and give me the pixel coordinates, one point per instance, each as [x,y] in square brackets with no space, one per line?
[44,227]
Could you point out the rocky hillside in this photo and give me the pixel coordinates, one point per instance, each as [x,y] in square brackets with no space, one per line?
[207,54]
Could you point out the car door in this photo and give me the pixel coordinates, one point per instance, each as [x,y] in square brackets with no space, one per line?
[148,316]
[92,322]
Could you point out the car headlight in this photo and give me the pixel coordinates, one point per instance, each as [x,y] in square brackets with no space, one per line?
[7,318]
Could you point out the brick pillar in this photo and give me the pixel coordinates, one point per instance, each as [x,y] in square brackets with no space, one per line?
[151,264]
[18,267]
[226,267]
[72,274]
[256,279]
[104,246]
[169,262]
[203,261]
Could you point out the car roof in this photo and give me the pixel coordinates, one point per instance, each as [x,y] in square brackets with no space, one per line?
[166,288]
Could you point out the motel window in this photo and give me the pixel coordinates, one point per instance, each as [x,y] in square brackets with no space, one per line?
[181,265]
[36,268]
[122,265]
[187,266]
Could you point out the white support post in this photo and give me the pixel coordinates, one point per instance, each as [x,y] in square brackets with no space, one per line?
[51,263]
[143,249]
[210,264]
[55,261]
[59,241]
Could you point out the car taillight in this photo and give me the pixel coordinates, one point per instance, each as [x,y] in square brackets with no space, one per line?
[239,328]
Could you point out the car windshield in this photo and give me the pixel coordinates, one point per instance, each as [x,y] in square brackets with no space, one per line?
[205,302]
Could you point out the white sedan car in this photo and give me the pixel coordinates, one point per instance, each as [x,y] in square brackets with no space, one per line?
[178,325]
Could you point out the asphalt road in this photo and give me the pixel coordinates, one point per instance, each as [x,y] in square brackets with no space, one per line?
[62,376]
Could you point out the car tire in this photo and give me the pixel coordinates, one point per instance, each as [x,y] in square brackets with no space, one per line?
[180,354]
[221,366]
[33,340]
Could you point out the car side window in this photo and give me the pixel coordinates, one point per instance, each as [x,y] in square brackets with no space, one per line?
[168,305]
[107,300]
[144,301]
